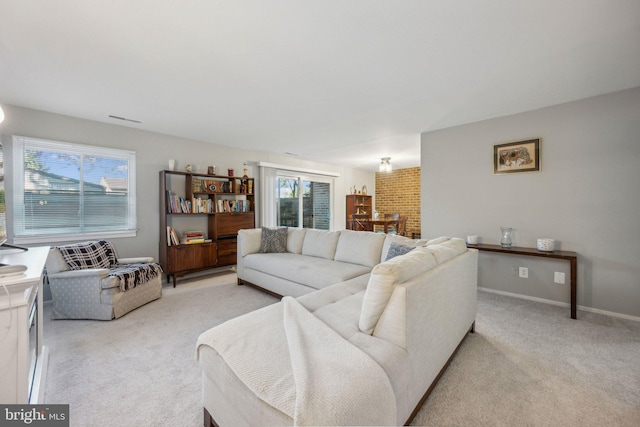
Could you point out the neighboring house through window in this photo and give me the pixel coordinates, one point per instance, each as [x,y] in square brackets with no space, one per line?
[64,191]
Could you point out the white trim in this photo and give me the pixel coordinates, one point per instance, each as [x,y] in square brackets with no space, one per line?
[72,237]
[72,147]
[40,376]
[21,236]
[296,169]
[562,304]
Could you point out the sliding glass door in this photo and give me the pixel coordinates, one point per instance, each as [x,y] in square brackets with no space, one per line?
[304,202]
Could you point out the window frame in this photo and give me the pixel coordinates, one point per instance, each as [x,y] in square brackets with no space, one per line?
[305,177]
[21,236]
[269,173]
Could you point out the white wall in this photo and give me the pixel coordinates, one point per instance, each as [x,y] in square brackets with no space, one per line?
[586,196]
[153,152]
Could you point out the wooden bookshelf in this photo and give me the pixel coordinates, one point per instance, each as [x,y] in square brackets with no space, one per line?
[217,205]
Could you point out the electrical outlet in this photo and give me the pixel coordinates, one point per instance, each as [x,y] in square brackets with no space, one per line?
[523,272]
[558,277]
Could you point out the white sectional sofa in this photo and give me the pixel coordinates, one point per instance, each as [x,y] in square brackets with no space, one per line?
[314,259]
[363,344]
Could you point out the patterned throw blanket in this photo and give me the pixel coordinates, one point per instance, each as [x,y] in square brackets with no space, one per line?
[131,275]
[101,254]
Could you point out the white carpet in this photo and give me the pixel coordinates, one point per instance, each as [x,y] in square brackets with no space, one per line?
[140,370]
[527,364]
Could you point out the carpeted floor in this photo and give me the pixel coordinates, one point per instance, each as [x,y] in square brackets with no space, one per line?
[527,364]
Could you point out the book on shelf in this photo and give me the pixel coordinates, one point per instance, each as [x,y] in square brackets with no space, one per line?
[201,205]
[192,237]
[172,237]
[177,204]
[233,206]
[192,241]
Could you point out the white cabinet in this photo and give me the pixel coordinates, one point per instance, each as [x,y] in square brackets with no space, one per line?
[22,355]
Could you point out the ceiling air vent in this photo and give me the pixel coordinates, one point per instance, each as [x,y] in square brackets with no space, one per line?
[125,119]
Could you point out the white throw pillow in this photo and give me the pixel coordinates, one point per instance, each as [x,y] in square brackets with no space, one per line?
[384,277]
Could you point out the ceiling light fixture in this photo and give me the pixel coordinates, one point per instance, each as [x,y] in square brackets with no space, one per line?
[385,165]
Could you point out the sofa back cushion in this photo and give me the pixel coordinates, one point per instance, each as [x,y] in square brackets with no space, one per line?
[295,239]
[384,277]
[55,263]
[448,249]
[320,243]
[358,247]
[398,240]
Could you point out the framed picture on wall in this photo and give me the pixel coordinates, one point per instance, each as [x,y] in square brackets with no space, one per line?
[514,157]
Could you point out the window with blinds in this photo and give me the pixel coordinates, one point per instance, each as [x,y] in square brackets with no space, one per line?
[65,191]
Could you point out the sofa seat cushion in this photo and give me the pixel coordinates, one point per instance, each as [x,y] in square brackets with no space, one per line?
[310,271]
[339,307]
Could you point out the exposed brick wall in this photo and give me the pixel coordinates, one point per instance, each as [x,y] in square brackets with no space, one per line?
[399,192]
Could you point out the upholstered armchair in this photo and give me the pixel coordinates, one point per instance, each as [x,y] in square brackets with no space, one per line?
[89,281]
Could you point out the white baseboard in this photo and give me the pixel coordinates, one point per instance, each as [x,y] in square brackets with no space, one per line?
[562,304]
[40,377]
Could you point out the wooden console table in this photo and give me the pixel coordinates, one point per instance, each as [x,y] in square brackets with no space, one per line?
[572,257]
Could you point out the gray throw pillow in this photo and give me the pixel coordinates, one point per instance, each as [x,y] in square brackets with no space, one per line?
[397,250]
[274,240]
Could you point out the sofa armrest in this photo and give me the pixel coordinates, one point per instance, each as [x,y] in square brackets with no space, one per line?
[249,241]
[138,260]
[74,274]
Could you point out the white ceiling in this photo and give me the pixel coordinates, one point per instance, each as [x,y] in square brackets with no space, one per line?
[337,81]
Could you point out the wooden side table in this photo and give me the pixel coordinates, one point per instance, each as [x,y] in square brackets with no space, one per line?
[572,257]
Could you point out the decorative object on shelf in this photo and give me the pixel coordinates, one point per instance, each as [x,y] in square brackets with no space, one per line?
[212,187]
[230,172]
[514,157]
[354,191]
[546,244]
[245,179]
[385,165]
[211,170]
[472,240]
[364,190]
[505,240]
[172,164]
[188,168]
